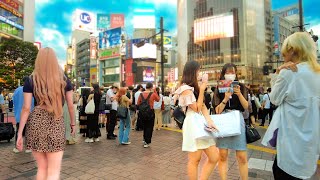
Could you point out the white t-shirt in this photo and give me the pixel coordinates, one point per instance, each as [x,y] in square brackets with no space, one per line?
[136,96]
[109,97]
[157,104]
[267,101]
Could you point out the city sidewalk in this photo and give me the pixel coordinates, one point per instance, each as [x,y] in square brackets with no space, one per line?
[109,160]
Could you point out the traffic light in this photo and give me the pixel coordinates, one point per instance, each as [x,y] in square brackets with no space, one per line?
[265,70]
[134,67]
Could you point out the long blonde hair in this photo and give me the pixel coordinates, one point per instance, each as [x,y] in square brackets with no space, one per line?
[48,82]
[303,48]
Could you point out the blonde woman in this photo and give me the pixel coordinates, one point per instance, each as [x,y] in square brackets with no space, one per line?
[45,131]
[296,92]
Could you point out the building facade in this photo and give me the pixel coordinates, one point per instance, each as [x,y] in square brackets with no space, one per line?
[17,19]
[83,62]
[220,32]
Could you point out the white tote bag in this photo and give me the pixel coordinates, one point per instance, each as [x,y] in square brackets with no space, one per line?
[228,124]
[198,127]
[90,107]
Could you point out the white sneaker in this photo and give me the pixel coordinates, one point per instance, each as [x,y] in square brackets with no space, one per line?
[145,145]
[87,140]
[126,143]
[90,140]
[96,139]
[15,150]
[28,151]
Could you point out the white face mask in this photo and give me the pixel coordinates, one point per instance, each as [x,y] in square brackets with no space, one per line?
[230,77]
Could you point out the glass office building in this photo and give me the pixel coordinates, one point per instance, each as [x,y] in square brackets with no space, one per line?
[216,32]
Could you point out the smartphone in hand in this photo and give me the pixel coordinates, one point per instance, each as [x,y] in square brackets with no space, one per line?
[205,78]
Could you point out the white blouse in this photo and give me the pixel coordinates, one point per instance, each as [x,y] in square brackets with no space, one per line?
[298,119]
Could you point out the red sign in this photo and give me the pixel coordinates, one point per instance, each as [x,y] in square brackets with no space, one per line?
[129,75]
[11,3]
[116,20]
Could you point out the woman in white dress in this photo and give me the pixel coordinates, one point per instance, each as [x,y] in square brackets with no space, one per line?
[191,98]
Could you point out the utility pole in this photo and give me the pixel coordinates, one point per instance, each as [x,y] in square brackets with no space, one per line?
[162,55]
[300,16]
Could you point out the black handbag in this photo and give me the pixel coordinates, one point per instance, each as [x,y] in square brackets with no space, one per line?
[122,112]
[179,116]
[107,106]
[252,134]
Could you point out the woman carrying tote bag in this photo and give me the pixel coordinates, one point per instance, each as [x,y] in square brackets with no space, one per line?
[124,116]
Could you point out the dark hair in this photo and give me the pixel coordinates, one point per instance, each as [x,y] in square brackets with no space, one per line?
[130,88]
[149,85]
[96,88]
[139,87]
[1,89]
[189,76]
[25,79]
[269,90]
[158,90]
[226,67]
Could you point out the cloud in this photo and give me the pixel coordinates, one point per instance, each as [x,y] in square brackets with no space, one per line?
[54,39]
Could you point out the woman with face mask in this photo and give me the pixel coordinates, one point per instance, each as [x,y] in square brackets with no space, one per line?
[236,98]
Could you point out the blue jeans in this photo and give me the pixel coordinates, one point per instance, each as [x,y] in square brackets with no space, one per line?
[124,129]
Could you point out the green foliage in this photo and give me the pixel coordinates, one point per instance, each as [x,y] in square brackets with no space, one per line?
[16,61]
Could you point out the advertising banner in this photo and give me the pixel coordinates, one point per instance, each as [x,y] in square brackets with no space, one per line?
[93,48]
[109,53]
[6,20]
[116,20]
[144,22]
[84,20]
[129,49]
[103,21]
[12,3]
[10,9]
[214,27]
[110,38]
[93,75]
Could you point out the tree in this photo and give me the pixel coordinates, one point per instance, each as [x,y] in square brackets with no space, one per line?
[16,61]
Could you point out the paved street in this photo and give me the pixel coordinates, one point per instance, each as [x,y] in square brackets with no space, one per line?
[108,160]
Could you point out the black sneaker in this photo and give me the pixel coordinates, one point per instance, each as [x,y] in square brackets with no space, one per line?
[111,137]
[115,135]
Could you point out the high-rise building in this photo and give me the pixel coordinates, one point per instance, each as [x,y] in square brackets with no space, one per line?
[17,19]
[285,22]
[216,32]
[83,62]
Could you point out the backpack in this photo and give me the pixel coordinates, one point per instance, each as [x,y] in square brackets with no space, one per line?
[207,100]
[102,102]
[145,110]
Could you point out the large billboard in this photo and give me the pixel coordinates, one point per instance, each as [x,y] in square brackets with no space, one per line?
[10,9]
[12,23]
[110,38]
[144,22]
[103,21]
[12,3]
[84,20]
[147,51]
[214,27]
[148,74]
[116,20]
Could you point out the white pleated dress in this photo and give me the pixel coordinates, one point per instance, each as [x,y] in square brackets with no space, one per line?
[190,142]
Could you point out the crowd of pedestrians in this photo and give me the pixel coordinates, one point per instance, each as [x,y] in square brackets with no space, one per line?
[47,106]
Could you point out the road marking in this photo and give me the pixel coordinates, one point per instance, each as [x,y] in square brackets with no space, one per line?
[249,146]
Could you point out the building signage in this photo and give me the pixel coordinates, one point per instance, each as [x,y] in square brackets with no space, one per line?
[10,9]
[110,38]
[93,48]
[117,20]
[103,21]
[11,3]
[83,20]
[11,23]
[109,53]
[148,74]
[167,41]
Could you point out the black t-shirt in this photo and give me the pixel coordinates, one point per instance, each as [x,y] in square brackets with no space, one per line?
[234,102]
[28,87]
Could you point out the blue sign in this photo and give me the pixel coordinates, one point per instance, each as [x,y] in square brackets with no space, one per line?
[103,21]
[85,18]
[110,38]
[11,23]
